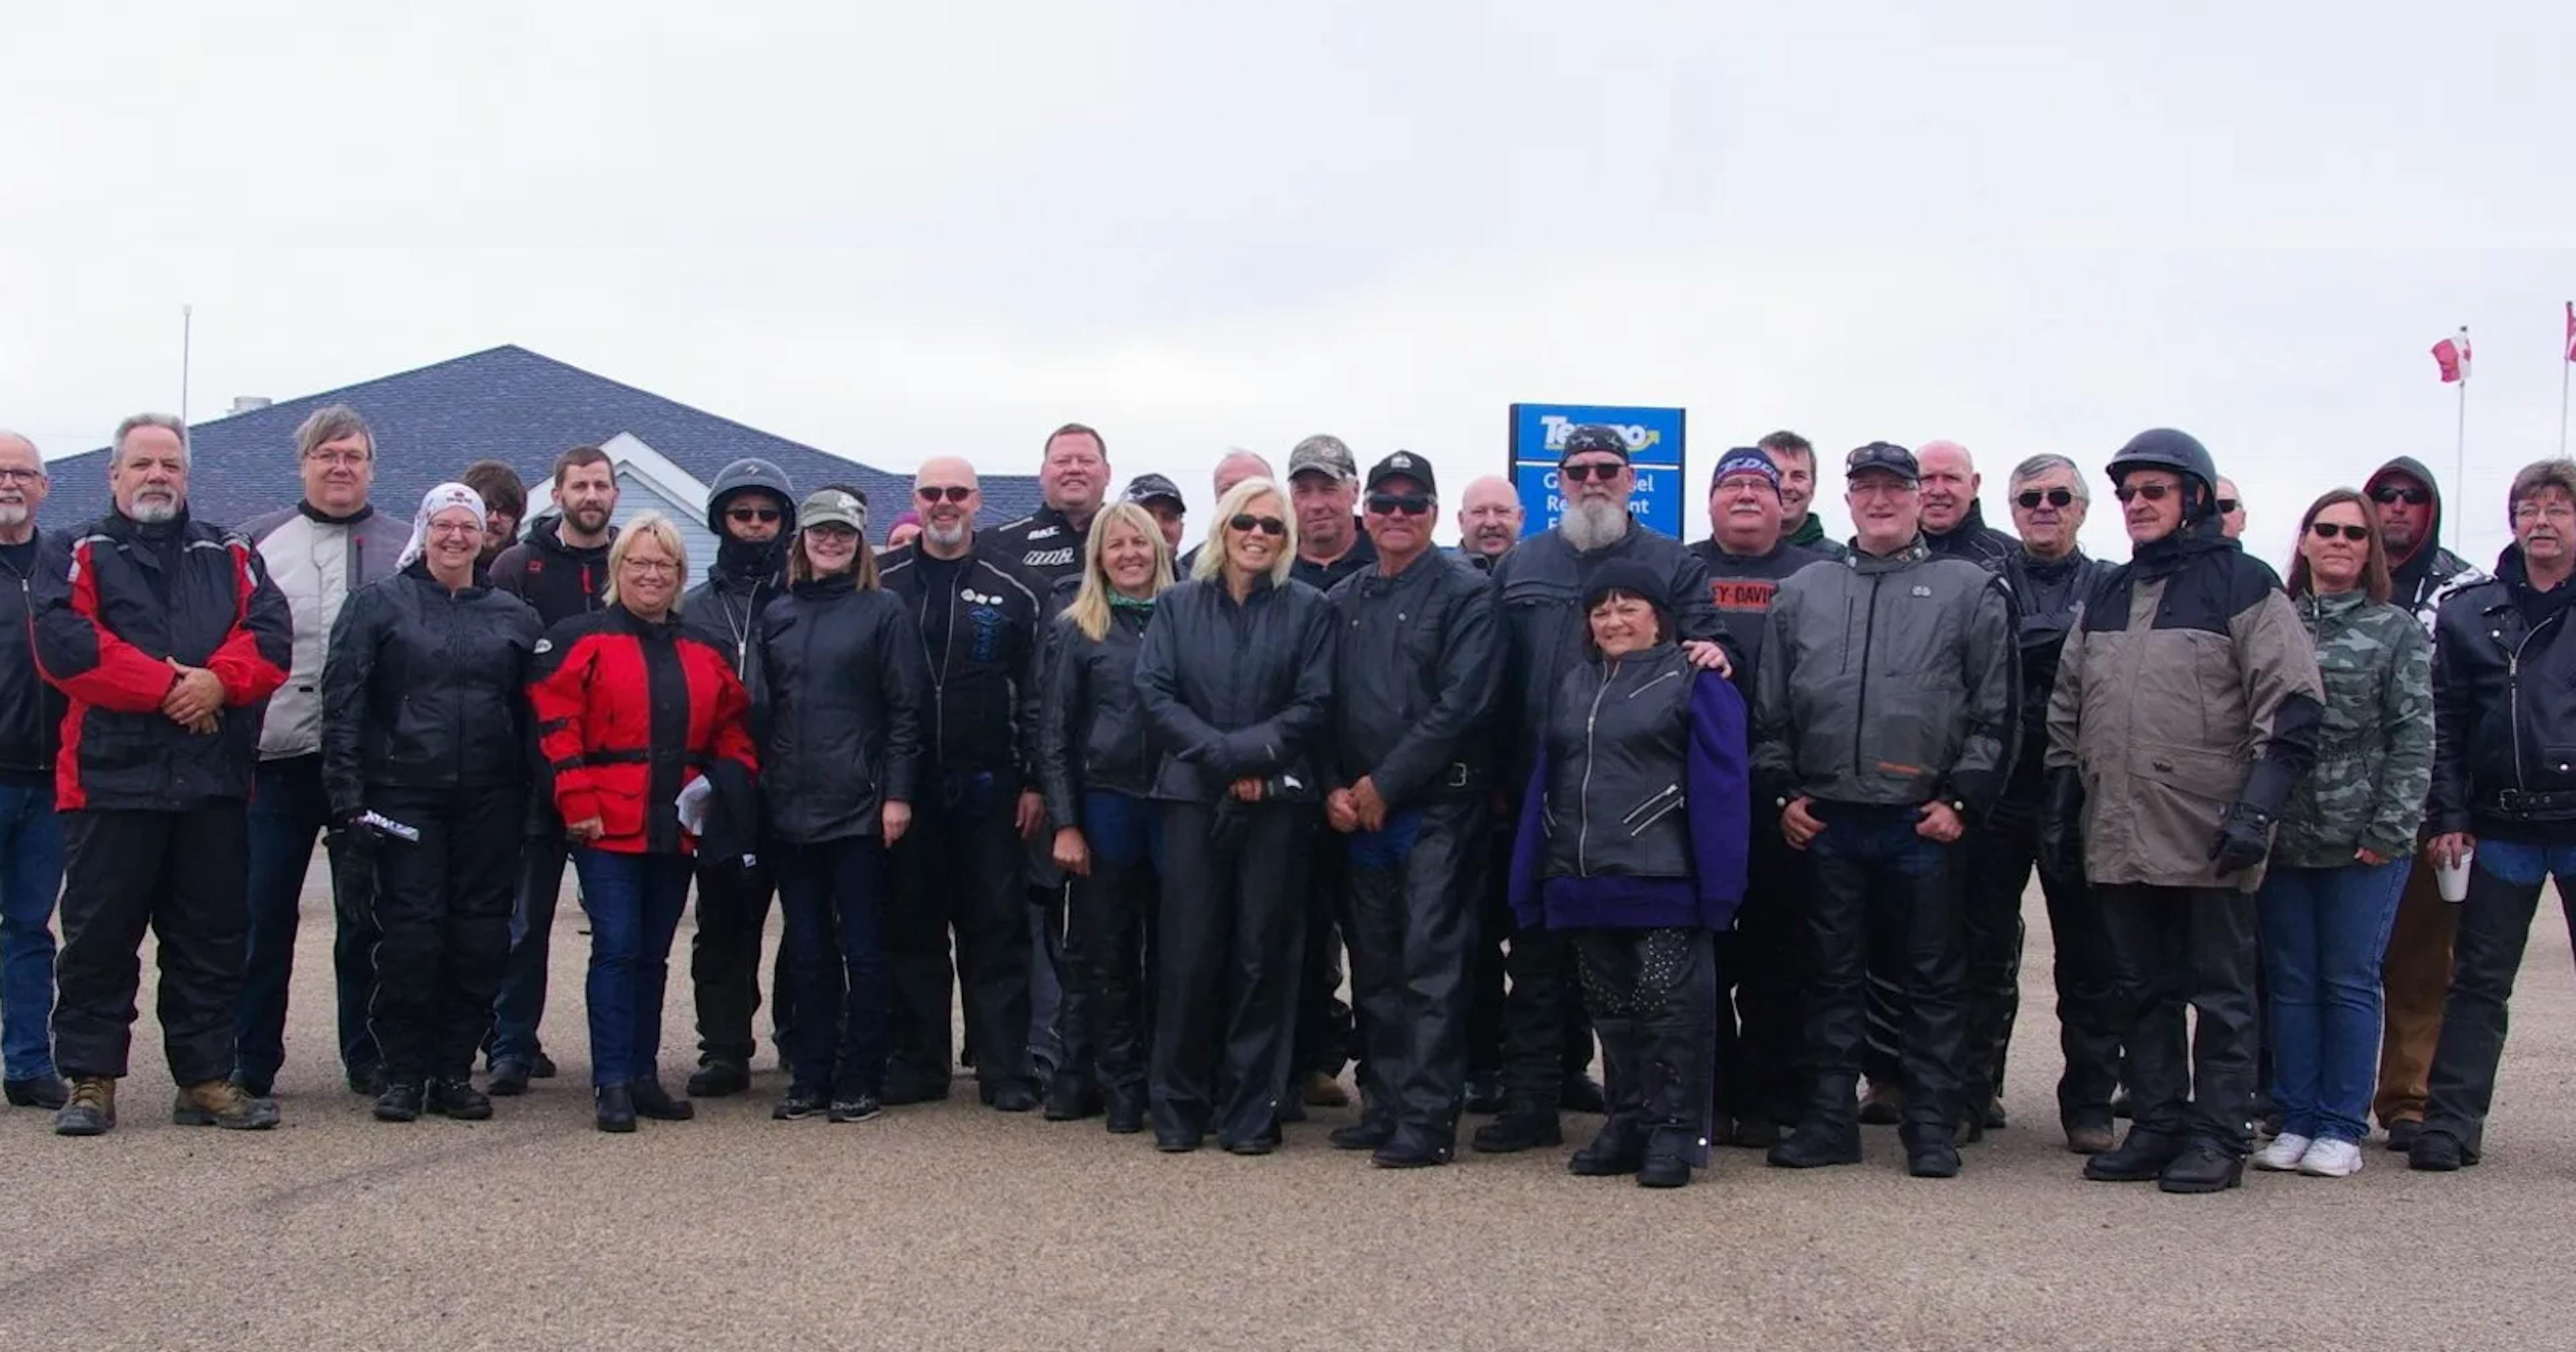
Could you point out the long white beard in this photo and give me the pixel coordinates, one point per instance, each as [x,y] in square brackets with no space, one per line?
[154,511]
[1590,525]
[14,514]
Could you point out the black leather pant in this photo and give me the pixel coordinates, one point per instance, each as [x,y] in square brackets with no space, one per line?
[1760,989]
[1652,994]
[959,868]
[724,965]
[1226,964]
[1412,921]
[2174,945]
[1878,884]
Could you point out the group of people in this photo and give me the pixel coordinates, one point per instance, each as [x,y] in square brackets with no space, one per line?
[1754,816]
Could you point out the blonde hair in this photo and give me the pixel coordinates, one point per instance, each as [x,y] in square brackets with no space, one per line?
[863,565]
[1090,609]
[657,528]
[1211,562]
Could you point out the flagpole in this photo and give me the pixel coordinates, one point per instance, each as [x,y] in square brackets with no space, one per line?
[187,333]
[2567,362]
[2460,446]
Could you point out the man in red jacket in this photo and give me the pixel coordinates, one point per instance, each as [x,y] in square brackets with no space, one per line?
[168,638]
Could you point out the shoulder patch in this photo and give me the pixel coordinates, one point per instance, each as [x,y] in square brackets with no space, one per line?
[545,645]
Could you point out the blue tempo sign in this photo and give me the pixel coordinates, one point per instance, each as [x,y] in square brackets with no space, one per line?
[1654,437]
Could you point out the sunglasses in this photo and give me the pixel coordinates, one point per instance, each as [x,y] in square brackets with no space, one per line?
[1604,471]
[2327,530]
[747,515]
[1410,504]
[954,493]
[2055,497]
[1267,525]
[2151,492]
[2412,497]
[2226,505]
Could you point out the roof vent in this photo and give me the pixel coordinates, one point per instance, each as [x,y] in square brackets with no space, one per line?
[250,403]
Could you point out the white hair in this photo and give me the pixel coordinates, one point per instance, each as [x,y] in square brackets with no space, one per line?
[168,422]
[2045,461]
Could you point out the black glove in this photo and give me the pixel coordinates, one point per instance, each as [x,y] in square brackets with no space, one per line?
[352,846]
[2061,826]
[2244,838]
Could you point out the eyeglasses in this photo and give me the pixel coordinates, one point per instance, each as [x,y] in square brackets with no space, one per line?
[1601,470]
[747,515]
[2527,510]
[2055,497]
[2226,505]
[655,567]
[340,459]
[2327,530]
[953,493]
[21,476]
[2151,492]
[1409,504]
[2412,497]
[1267,525]
[833,530]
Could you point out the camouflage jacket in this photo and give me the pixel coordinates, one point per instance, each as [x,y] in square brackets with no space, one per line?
[2375,745]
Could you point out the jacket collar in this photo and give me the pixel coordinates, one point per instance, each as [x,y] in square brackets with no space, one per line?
[1866,563]
[313,513]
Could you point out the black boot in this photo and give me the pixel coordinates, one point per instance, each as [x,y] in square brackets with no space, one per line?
[1668,1157]
[1413,1150]
[2439,1152]
[1370,1132]
[1674,1100]
[1817,1143]
[1931,1155]
[1484,1095]
[653,1101]
[1072,1097]
[1523,1126]
[2202,1168]
[42,1091]
[509,1079]
[719,1079]
[2141,1157]
[1619,1148]
[616,1107]
[399,1102]
[1126,1111]
[455,1098]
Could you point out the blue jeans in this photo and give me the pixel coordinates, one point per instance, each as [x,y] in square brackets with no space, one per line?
[522,1002]
[634,902]
[2324,931]
[832,894]
[287,810]
[31,875]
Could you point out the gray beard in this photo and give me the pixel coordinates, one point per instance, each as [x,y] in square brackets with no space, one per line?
[154,511]
[946,538]
[14,515]
[1590,525]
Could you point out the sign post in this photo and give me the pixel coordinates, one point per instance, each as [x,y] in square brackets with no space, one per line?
[1654,437]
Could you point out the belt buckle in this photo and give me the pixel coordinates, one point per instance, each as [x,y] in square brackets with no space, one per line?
[2509,800]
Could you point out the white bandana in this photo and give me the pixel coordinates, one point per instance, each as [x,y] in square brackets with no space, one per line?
[439,499]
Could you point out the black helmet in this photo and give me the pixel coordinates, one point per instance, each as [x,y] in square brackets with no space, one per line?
[2165,448]
[743,476]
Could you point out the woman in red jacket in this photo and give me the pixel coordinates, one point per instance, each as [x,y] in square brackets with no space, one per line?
[631,714]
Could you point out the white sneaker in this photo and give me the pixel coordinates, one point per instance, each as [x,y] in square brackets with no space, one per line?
[2330,1158]
[2283,1154]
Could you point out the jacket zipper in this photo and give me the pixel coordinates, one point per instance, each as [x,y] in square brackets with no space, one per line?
[1860,702]
[1660,813]
[1652,800]
[939,679]
[1669,675]
[2513,695]
[1583,828]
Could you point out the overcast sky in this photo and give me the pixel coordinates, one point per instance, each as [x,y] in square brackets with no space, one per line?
[897,230]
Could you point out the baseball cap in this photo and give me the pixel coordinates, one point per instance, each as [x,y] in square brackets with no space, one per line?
[1404,465]
[1323,455]
[1593,439]
[1746,460]
[1149,487]
[1884,456]
[833,507]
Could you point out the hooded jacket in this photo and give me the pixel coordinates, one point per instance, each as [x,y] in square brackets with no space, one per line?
[2504,711]
[1810,534]
[2432,574]
[555,579]
[2188,686]
[725,609]
[2374,736]
[318,562]
[1887,679]
[115,602]
[31,709]
[425,693]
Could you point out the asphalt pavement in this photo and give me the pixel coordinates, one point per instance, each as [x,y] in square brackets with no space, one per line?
[950,1225]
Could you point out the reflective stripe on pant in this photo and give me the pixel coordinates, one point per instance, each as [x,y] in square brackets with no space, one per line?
[443,907]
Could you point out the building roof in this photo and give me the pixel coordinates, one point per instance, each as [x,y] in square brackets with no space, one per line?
[505,403]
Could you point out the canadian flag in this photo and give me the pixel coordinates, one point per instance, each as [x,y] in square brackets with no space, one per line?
[2452,355]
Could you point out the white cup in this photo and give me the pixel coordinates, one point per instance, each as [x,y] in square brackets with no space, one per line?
[2453,878]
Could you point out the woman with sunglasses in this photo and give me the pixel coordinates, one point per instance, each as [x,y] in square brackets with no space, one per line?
[633,714]
[1096,758]
[848,694]
[2346,839]
[1235,675]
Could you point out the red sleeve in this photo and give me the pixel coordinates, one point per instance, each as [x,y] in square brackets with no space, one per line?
[83,657]
[252,660]
[556,695]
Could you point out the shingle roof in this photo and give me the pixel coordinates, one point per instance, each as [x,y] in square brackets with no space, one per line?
[506,404]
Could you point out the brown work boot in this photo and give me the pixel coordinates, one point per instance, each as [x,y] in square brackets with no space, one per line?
[1323,1091]
[221,1103]
[92,1109]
